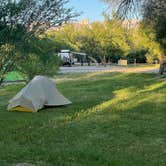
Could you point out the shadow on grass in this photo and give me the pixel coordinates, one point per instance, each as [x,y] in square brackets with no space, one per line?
[148,100]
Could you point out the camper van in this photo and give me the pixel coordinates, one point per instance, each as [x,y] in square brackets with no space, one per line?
[70,58]
[66,57]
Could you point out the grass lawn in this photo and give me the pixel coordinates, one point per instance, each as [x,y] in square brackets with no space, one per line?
[115,120]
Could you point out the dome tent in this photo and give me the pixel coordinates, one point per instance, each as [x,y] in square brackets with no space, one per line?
[36,94]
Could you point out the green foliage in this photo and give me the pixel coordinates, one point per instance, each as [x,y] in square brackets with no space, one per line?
[8,58]
[161,32]
[98,40]
[35,15]
[138,55]
[108,41]
[154,16]
[151,58]
[40,59]
[21,22]
[35,65]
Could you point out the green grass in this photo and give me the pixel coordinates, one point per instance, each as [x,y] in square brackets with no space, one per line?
[115,120]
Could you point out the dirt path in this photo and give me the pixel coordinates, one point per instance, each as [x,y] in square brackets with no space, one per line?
[84,69]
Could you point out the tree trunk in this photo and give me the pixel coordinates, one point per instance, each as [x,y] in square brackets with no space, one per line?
[1,81]
[162,67]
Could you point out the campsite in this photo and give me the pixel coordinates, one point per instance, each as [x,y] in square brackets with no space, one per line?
[82,83]
[117,122]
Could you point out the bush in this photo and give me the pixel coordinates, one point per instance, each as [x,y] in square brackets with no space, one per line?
[151,58]
[40,60]
[139,55]
[35,65]
[8,58]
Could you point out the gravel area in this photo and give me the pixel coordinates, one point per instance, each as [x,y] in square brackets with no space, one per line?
[84,69]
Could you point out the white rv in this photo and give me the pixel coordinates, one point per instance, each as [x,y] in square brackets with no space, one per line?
[66,57]
[69,58]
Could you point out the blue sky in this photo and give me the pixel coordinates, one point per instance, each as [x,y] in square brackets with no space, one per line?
[92,9]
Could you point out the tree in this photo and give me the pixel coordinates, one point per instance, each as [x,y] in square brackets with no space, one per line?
[8,57]
[41,59]
[35,15]
[154,15]
[22,20]
[106,41]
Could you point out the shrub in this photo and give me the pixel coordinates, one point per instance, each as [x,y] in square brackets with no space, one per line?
[139,55]
[8,58]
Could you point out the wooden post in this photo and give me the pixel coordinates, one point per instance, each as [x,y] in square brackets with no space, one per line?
[135,62]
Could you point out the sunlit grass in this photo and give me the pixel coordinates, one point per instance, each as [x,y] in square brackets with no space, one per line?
[115,119]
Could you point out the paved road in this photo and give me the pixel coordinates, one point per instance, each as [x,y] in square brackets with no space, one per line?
[84,69]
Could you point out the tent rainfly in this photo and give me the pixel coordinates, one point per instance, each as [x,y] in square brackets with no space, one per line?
[35,95]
